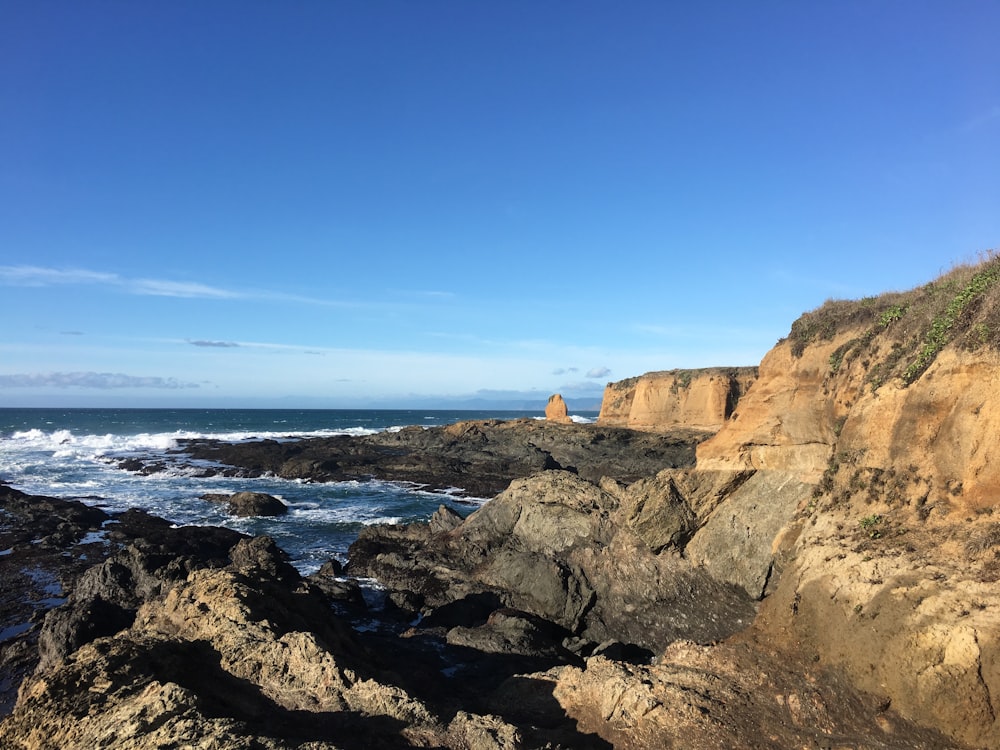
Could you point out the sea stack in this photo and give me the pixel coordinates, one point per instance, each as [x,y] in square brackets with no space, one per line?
[555,410]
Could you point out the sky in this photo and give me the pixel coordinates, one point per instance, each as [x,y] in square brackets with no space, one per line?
[337,203]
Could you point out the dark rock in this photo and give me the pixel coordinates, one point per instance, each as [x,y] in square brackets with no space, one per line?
[331,567]
[480,457]
[468,611]
[344,591]
[627,652]
[256,504]
[565,550]
[444,519]
[260,555]
[155,556]
[510,631]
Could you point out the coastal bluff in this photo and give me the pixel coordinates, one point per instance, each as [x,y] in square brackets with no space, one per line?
[807,557]
[701,399]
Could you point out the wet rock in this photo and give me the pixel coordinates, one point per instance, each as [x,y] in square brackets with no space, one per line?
[479,457]
[255,504]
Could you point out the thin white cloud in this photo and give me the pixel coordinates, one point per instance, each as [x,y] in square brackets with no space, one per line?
[214,344]
[99,380]
[192,290]
[598,372]
[37,276]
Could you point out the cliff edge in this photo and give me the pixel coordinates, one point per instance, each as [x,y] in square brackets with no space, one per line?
[702,399]
[882,414]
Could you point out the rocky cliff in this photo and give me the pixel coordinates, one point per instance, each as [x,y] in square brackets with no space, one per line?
[701,399]
[883,415]
[824,575]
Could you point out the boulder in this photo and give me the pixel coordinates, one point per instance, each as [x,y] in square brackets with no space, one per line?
[256,504]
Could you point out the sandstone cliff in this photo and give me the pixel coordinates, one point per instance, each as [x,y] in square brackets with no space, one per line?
[700,399]
[882,416]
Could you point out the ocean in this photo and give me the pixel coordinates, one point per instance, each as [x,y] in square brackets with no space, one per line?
[74,453]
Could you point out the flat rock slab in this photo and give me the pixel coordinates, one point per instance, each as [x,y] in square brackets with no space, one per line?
[478,457]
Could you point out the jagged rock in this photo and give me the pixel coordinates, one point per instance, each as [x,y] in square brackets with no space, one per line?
[699,698]
[260,678]
[509,631]
[658,512]
[256,504]
[483,733]
[555,410]
[444,519]
[560,548]
[260,555]
[107,596]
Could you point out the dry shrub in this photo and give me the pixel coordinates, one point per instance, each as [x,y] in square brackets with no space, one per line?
[982,539]
[901,333]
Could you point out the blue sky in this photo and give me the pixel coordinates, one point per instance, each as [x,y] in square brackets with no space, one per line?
[339,203]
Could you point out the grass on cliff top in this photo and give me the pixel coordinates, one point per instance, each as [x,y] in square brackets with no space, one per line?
[903,332]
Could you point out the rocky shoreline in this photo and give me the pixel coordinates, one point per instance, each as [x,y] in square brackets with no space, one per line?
[478,458]
[563,614]
[820,572]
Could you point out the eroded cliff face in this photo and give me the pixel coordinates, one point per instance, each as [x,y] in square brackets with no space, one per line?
[892,560]
[700,399]
[876,445]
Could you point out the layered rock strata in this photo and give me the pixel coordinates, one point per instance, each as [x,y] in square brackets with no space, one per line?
[703,399]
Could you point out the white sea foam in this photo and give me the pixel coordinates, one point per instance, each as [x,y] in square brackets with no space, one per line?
[65,444]
[386,520]
[323,519]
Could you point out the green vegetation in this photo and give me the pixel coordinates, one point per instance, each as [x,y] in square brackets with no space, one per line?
[891,315]
[682,380]
[901,333]
[870,525]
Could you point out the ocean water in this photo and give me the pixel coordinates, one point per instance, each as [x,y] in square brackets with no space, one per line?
[73,453]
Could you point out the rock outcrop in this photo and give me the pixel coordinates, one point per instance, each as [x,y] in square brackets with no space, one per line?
[555,410]
[701,399]
[602,563]
[479,457]
[824,575]
[256,504]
